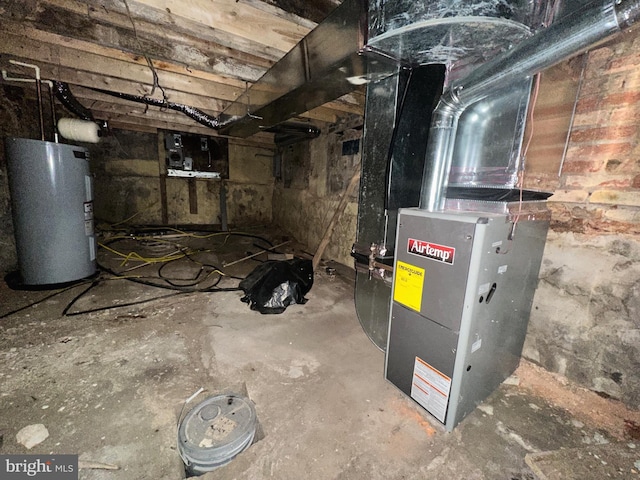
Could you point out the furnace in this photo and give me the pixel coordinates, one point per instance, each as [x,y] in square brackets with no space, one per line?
[463,288]
[447,268]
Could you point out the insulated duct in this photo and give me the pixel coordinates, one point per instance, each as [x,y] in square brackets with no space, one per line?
[285,133]
[63,93]
[571,35]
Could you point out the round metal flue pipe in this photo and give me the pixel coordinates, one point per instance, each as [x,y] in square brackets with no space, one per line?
[565,38]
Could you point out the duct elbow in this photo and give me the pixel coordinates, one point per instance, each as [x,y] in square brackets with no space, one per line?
[447,111]
[450,103]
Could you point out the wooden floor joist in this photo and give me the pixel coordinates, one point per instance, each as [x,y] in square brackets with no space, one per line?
[205,55]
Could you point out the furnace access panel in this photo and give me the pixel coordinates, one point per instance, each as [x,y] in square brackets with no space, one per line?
[462,294]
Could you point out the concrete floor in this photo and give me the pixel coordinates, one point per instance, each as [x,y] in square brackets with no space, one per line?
[109,386]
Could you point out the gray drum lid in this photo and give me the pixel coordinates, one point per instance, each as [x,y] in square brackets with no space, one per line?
[217,429]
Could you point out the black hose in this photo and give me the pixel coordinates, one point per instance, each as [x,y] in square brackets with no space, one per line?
[8,314]
[77,297]
[109,307]
[192,281]
[171,283]
[159,231]
[192,112]
[169,286]
[63,93]
[210,289]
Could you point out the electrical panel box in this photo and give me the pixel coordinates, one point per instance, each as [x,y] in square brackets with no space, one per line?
[462,292]
[196,155]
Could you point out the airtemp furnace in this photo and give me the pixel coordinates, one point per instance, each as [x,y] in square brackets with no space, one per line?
[462,294]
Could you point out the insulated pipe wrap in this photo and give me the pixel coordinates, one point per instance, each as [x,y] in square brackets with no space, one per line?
[79,130]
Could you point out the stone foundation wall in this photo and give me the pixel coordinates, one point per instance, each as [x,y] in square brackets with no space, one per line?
[305,208]
[586,318]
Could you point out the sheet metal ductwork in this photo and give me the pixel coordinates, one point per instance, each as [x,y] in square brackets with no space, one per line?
[466,258]
[458,36]
[567,37]
[326,64]
[444,279]
[490,51]
[475,59]
[367,41]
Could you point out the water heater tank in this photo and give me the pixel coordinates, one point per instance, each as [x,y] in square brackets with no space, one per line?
[52,202]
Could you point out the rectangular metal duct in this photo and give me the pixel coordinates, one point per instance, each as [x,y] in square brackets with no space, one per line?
[360,35]
[325,65]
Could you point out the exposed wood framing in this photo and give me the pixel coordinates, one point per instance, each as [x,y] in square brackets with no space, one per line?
[201,53]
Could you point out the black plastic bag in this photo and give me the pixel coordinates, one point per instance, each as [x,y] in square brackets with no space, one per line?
[274,285]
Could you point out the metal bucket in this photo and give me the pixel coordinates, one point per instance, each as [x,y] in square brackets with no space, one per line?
[215,431]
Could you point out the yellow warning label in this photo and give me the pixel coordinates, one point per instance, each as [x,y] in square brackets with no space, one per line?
[408,285]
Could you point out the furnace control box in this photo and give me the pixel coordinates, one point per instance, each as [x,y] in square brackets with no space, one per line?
[463,288]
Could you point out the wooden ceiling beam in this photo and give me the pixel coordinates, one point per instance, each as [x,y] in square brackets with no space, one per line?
[128,122]
[81,63]
[295,15]
[113,65]
[234,18]
[113,29]
[43,38]
[315,11]
[93,44]
[341,106]
[150,19]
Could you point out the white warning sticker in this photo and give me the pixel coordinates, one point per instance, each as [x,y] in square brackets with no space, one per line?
[430,388]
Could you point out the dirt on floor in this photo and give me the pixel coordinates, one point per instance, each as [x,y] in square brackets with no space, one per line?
[106,367]
[586,406]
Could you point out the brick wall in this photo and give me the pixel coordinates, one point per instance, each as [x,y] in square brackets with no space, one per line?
[586,318]
[599,189]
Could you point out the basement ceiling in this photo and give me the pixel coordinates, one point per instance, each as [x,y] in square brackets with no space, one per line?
[201,53]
